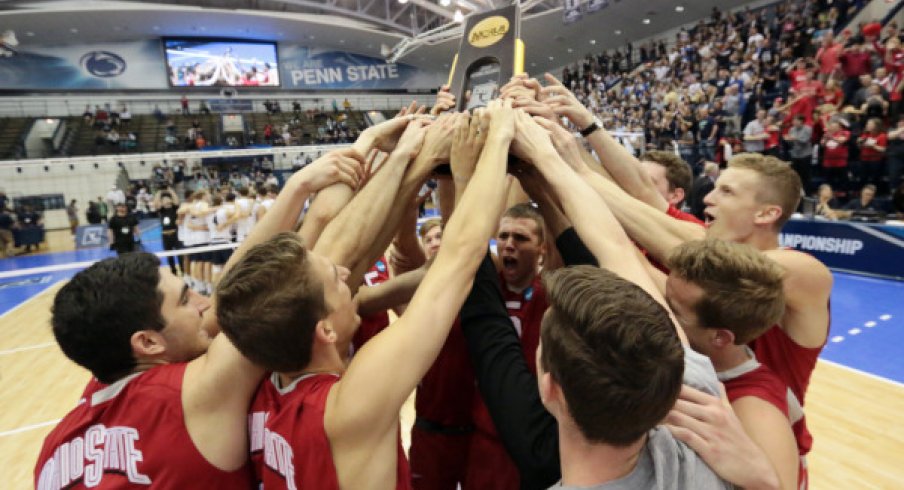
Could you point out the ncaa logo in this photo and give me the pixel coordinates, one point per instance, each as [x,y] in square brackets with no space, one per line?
[93,237]
[103,64]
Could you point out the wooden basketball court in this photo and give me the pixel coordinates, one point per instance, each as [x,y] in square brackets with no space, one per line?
[855,418]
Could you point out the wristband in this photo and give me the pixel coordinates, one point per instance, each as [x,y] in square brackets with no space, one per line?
[596,124]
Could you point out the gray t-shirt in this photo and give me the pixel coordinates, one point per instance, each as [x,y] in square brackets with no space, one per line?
[666,463]
[754,128]
[801,146]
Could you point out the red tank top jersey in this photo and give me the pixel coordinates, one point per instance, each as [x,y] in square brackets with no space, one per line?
[374,323]
[288,442]
[446,392]
[526,310]
[130,434]
[755,379]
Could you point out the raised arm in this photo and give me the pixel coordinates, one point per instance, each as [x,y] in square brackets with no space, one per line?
[624,168]
[387,368]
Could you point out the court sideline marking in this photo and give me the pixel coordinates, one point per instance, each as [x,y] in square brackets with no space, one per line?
[29,427]
[26,348]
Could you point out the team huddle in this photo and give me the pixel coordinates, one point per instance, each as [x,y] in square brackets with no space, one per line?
[585,350]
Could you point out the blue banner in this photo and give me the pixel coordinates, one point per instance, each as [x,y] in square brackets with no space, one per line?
[315,69]
[856,247]
[135,65]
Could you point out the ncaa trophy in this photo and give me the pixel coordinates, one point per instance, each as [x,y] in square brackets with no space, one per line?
[490,53]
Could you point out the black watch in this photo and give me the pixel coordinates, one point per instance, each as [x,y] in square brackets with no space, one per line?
[596,124]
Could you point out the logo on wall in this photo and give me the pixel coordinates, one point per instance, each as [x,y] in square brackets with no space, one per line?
[103,64]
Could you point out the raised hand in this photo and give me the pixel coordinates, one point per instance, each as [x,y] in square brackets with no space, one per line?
[438,143]
[413,109]
[412,139]
[345,166]
[521,86]
[501,117]
[385,135]
[565,143]
[531,140]
[564,103]
[444,101]
[536,108]
[470,135]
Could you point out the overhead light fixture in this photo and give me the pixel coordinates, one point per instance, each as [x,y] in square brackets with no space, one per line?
[618,32]
[593,41]
[646,21]
[73,30]
[403,1]
[679,8]
[551,58]
[570,50]
[445,3]
[458,17]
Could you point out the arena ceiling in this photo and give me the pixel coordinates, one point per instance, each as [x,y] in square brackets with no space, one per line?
[423,33]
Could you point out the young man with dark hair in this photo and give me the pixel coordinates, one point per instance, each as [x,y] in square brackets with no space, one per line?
[169,405]
[347,434]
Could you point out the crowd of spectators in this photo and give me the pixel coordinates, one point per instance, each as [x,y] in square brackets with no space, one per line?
[790,80]
[112,127]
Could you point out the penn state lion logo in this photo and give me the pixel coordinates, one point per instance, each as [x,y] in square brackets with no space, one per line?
[103,64]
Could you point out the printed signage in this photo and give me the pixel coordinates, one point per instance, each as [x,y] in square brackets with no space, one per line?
[856,247]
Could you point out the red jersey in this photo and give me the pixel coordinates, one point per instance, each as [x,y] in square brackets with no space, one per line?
[868,153]
[811,91]
[797,77]
[446,392]
[835,152]
[288,442]
[833,96]
[130,434]
[754,379]
[374,323]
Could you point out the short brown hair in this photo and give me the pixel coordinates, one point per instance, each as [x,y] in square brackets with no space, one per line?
[429,225]
[527,211]
[677,171]
[780,183]
[613,350]
[742,287]
[269,303]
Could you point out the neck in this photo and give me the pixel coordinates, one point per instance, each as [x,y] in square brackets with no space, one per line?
[729,358]
[762,240]
[321,363]
[520,286]
[585,464]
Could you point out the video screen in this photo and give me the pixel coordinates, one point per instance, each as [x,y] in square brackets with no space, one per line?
[221,63]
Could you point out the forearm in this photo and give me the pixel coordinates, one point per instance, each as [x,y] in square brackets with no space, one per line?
[507,386]
[407,248]
[364,216]
[655,231]
[326,206]
[625,170]
[392,293]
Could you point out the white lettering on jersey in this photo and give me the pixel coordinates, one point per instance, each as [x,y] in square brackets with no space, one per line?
[87,458]
[278,454]
[370,278]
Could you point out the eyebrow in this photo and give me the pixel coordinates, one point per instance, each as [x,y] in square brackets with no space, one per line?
[184,295]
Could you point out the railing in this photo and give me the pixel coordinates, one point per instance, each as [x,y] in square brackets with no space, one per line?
[74,105]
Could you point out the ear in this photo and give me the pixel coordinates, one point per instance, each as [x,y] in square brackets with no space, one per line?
[723,338]
[325,333]
[768,215]
[677,196]
[147,343]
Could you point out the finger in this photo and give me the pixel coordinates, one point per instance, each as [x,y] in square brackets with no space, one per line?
[692,394]
[444,89]
[550,79]
[690,438]
[679,418]
[421,110]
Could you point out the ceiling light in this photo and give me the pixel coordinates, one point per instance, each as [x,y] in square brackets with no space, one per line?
[618,32]
[403,1]
[533,64]
[30,34]
[445,3]
[570,50]
[311,36]
[593,41]
[458,17]
[156,28]
[342,41]
[73,30]
[646,21]
[679,8]
[551,58]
